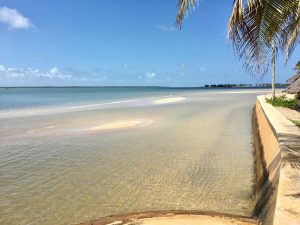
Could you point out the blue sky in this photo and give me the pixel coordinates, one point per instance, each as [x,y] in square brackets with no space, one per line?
[114,42]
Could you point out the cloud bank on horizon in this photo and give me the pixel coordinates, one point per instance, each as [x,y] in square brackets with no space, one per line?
[29,73]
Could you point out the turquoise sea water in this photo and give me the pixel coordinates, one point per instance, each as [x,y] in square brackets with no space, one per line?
[11,98]
[63,162]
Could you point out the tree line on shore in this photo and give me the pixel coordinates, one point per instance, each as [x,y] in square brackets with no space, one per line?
[267,85]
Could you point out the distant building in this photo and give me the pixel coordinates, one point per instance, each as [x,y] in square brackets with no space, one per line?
[294,87]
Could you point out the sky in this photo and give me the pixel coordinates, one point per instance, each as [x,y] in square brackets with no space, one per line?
[119,43]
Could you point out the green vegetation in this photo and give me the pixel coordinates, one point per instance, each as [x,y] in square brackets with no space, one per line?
[283,102]
[296,122]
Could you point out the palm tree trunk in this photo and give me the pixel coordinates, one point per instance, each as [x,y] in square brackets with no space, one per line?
[273,69]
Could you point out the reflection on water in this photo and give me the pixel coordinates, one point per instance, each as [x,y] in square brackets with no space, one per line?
[194,154]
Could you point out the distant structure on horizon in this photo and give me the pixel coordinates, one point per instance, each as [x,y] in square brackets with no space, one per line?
[268,85]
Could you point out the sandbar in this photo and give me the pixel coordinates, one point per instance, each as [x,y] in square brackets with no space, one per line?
[168,100]
[122,124]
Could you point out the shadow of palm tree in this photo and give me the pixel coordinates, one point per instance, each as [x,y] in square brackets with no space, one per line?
[291,156]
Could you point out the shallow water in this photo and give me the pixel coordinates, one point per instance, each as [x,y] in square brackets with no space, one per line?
[192,154]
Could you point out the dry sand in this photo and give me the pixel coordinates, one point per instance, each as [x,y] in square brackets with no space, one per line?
[192,220]
[171,218]
[288,207]
[246,92]
[168,100]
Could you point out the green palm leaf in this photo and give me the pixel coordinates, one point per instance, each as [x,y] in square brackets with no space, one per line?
[184,6]
[254,25]
[263,22]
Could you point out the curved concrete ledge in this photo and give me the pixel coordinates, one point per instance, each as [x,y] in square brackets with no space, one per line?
[173,217]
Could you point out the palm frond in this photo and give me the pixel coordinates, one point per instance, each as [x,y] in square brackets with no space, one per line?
[291,157]
[184,6]
[237,13]
[291,30]
[253,31]
[254,25]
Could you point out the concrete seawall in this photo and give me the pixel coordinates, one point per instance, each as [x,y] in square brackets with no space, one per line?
[277,155]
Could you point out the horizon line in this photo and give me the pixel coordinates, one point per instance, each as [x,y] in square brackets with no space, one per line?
[142,86]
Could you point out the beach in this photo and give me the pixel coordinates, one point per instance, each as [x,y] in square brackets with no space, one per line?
[67,162]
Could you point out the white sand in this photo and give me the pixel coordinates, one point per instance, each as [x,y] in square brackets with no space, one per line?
[123,124]
[168,100]
[246,92]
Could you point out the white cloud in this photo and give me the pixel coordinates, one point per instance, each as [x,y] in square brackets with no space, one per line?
[25,73]
[203,69]
[14,19]
[54,71]
[125,66]
[150,75]
[166,28]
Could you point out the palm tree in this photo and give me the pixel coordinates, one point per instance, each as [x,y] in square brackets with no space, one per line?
[254,26]
[273,70]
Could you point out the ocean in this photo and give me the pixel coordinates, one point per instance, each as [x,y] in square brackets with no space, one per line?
[68,155]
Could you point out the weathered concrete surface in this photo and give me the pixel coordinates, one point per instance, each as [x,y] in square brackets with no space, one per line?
[279,136]
[173,218]
[289,113]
